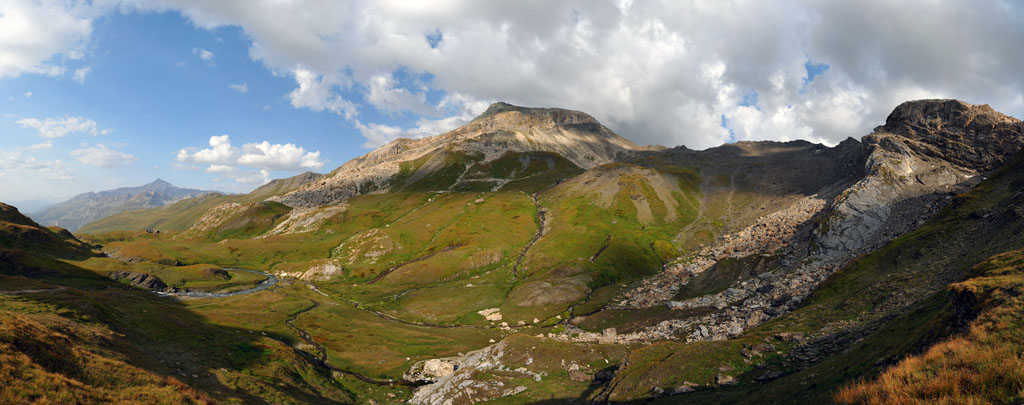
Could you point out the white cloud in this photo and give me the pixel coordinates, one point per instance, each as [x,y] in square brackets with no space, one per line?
[241,176]
[59,127]
[33,32]
[241,88]
[28,167]
[42,146]
[28,94]
[205,55]
[317,93]
[102,156]
[279,157]
[258,177]
[220,152]
[663,72]
[223,157]
[80,74]
[386,96]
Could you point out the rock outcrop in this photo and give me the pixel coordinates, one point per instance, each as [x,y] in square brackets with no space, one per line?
[926,151]
[141,280]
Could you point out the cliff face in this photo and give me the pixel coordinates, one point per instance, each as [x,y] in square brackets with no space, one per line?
[926,151]
[502,129]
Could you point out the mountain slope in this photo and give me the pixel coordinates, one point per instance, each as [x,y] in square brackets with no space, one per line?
[88,207]
[502,129]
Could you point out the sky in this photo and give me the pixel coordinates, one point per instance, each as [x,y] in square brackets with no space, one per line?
[230,94]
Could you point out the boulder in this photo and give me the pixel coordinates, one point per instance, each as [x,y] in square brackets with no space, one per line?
[438,368]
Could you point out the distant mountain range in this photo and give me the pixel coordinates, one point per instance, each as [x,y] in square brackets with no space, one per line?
[88,207]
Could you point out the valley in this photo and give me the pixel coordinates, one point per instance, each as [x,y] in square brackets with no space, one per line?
[533,255]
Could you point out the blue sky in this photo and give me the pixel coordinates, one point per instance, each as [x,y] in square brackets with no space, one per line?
[226,95]
[157,103]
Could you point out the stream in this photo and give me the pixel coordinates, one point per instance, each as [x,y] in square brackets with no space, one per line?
[263,285]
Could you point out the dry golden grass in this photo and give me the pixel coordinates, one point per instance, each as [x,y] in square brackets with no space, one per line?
[984,365]
[58,363]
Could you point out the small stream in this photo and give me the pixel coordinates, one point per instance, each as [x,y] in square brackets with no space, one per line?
[263,285]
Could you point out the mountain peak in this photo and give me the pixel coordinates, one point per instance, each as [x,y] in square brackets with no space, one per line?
[973,136]
[505,115]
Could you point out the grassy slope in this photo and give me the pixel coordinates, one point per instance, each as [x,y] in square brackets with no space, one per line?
[174,217]
[983,365]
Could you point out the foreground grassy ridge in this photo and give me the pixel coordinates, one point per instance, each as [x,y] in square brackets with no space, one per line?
[45,358]
[984,365]
[104,342]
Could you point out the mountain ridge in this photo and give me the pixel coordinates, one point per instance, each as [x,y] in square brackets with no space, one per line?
[91,206]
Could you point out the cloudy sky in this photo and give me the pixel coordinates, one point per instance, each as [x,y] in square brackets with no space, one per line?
[229,94]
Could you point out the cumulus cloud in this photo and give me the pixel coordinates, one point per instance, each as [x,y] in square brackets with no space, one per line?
[222,156]
[32,32]
[654,71]
[241,88]
[220,152]
[60,127]
[102,156]
[317,93]
[664,72]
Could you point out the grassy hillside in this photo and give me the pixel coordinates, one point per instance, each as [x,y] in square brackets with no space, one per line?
[178,216]
[981,365]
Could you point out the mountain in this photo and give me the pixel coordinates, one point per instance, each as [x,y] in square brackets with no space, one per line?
[533,255]
[447,161]
[88,207]
[182,214]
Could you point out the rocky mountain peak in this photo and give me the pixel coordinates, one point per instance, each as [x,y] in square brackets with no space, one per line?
[502,115]
[502,129]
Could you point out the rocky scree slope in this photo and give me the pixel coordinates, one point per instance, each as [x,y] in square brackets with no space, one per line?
[502,128]
[88,207]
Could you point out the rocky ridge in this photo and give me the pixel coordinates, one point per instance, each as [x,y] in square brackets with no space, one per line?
[926,151]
